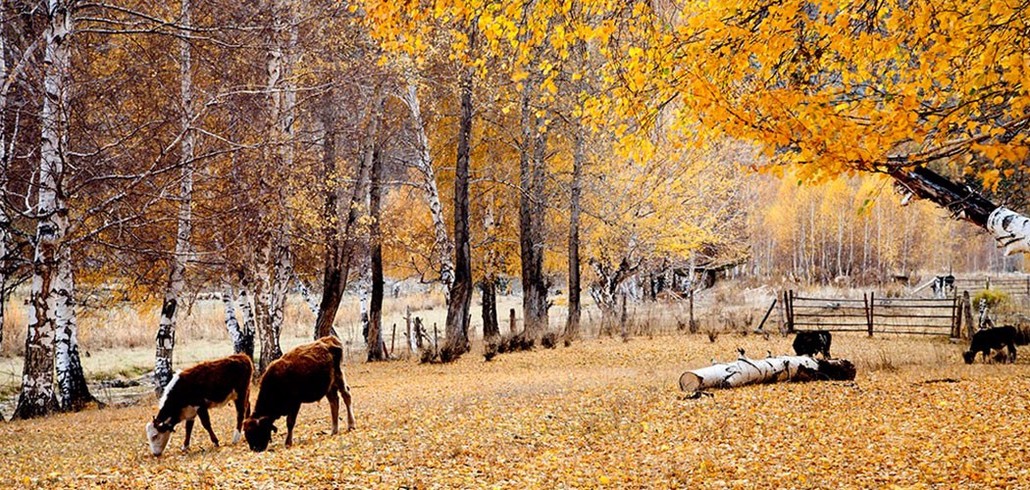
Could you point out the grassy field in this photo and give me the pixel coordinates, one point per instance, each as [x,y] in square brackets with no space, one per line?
[600,414]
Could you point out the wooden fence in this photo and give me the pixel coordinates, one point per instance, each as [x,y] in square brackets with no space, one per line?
[1012,284]
[873,314]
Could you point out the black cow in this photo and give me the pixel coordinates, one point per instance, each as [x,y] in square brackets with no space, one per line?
[992,338]
[811,343]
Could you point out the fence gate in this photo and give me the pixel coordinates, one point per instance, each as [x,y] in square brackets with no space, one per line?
[872,314]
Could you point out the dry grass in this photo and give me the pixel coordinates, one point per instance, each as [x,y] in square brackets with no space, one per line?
[602,413]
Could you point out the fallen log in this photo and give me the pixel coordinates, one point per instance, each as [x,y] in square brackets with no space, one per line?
[745,371]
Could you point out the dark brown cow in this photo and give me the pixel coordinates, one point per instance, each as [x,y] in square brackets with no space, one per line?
[195,390]
[306,374]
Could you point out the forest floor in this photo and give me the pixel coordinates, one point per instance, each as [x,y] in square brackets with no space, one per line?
[602,413]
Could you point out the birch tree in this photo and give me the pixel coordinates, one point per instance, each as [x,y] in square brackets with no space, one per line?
[177,263]
[37,395]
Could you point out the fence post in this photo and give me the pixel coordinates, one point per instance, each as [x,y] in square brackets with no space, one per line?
[790,311]
[954,317]
[869,313]
[967,314]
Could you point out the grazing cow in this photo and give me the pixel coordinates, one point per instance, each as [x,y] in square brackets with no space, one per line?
[195,390]
[813,342]
[992,338]
[306,374]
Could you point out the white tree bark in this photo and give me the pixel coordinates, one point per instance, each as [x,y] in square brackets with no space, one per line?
[277,259]
[249,324]
[5,221]
[305,294]
[71,378]
[1010,229]
[176,277]
[424,164]
[37,396]
[746,371]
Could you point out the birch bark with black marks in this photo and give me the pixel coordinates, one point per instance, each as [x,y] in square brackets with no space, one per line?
[276,258]
[745,371]
[5,220]
[37,397]
[184,225]
[1010,228]
[71,379]
[457,325]
[305,293]
[444,247]
[605,290]
[249,327]
[374,339]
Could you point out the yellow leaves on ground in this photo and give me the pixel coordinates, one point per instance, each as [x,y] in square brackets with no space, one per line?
[602,413]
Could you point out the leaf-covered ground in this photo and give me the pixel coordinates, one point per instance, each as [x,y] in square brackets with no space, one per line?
[602,413]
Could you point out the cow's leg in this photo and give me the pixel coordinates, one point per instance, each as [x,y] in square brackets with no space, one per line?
[291,419]
[1012,352]
[205,420]
[334,409]
[345,391]
[189,432]
[242,406]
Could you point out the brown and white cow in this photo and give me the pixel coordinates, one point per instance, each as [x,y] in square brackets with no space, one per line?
[193,391]
[306,374]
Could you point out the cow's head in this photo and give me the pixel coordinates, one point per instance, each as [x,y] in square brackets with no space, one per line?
[158,434]
[969,356]
[258,431]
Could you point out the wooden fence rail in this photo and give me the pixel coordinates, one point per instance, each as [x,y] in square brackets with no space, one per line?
[873,314]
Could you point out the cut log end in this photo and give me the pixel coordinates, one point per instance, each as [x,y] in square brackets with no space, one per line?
[690,382]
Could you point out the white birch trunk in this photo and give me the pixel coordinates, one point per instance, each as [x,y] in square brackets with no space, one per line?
[37,396]
[176,277]
[71,379]
[424,164]
[305,293]
[232,325]
[276,259]
[1010,229]
[249,325]
[746,371]
[5,221]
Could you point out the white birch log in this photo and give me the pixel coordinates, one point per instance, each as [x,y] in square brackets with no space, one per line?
[1010,229]
[745,371]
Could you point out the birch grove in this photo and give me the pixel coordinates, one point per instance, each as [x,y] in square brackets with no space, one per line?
[152,152]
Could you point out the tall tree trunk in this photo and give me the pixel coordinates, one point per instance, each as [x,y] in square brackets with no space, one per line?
[337,267]
[249,323]
[232,324]
[488,288]
[176,276]
[376,346]
[578,160]
[461,291]
[37,396]
[71,379]
[1009,228]
[276,257]
[531,221]
[5,220]
[424,163]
